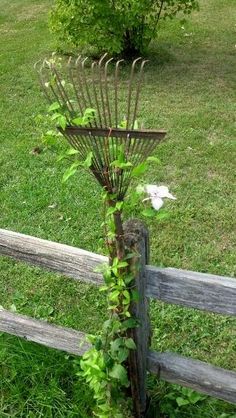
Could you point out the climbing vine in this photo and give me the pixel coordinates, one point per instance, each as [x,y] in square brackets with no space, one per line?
[105,365]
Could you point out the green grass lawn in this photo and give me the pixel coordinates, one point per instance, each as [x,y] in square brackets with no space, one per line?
[190,91]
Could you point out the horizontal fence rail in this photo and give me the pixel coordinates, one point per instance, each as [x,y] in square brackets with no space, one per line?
[172,368]
[195,374]
[63,259]
[202,291]
[197,290]
[38,331]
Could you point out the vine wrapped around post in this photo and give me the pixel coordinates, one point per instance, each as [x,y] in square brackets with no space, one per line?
[87,112]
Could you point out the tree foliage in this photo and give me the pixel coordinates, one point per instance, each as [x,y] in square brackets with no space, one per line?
[116,26]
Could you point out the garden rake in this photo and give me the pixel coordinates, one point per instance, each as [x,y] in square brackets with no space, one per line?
[111,135]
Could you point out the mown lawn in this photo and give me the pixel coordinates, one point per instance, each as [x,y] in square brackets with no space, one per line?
[189,90]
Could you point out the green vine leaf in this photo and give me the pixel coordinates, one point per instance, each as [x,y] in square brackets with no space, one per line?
[180,401]
[50,138]
[62,122]
[88,162]
[119,372]
[114,296]
[119,205]
[111,210]
[103,288]
[129,342]
[139,169]
[98,344]
[153,160]
[66,154]
[135,295]
[162,215]
[55,116]
[122,354]
[149,213]
[77,121]
[116,344]
[126,295]
[54,106]
[72,151]
[129,323]
[70,172]
[121,164]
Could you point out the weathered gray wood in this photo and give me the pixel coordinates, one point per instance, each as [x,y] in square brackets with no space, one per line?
[195,374]
[137,240]
[197,290]
[66,339]
[63,259]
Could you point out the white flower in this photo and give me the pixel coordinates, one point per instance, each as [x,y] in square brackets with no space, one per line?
[157,194]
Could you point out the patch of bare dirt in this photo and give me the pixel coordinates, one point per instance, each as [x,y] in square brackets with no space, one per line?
[6,29]
[31,13]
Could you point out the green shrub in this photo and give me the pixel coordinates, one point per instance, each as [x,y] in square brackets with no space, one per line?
[116,26]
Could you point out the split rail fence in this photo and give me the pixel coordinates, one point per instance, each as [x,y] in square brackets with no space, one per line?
[186,288]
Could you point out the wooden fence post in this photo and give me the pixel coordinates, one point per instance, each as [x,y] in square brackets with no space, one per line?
[137,241]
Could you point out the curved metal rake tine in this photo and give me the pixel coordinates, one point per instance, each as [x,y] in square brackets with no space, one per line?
[43,66]
[86,86]
[73,84]
[41,80]
[57,90]
[46,64]
[107,91]
[130,89]
[95,91]
[61,90]
[77,60]
[102,58]
[116,91]
[84,78]
[101,88]
[39,72]
[36,65]
[84,60]
[138,91]
[56,93]
[78,65]
[138,147]
[69,60]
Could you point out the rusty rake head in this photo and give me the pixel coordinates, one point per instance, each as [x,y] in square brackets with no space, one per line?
[111,134]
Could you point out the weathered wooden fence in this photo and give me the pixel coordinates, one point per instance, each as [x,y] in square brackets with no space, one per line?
[197,290]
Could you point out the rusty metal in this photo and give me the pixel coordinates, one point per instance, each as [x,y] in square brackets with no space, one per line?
[78,86]
[130,90]
[145,134]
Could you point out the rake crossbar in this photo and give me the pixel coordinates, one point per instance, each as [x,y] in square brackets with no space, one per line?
[114,132]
